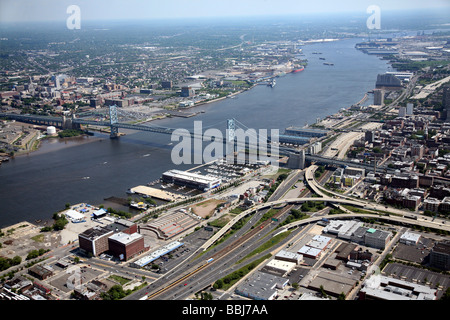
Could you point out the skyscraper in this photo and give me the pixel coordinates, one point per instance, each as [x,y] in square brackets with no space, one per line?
[409,109]
[378,97]
[446,103]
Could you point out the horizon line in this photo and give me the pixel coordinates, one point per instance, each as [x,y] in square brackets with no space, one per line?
[244,16]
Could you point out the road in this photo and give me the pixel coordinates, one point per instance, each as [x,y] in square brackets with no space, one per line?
[243,241]
[339,147]
[367,205]
[196,274]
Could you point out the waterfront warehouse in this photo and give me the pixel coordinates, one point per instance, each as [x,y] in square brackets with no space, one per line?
[191,180]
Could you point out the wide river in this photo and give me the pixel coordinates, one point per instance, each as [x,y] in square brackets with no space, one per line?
[34,186]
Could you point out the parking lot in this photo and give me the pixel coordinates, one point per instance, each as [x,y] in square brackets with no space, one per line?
[414,253]
[190,243]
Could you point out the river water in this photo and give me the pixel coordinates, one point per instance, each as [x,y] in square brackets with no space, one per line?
[35,186]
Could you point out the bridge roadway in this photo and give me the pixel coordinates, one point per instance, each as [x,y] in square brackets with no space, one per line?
[59,121]
[282,150]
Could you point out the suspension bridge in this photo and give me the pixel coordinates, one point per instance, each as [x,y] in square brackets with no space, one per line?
[116,118]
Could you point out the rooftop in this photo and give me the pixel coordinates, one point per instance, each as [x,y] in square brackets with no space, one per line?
[95,232]
[126,238]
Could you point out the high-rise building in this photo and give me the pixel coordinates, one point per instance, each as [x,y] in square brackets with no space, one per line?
[440,255]
[297,161]
[166,84]
[378,97]
[187,92]
[388,81]
[409,109]
[446,103]
[402,112]
[369,136]
[446,97]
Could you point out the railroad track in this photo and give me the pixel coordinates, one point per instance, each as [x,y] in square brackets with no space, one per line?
[222,253]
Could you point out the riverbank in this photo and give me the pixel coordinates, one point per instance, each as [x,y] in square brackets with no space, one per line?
[50,178]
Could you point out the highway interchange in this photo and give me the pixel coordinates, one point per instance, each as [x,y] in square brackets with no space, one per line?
[199,272]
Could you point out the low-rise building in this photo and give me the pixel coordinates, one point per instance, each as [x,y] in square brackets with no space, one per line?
[410,238]
[379,287]
[261,286]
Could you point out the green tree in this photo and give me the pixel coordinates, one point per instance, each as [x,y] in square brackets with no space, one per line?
[115,293]
[323,293]
[218,284]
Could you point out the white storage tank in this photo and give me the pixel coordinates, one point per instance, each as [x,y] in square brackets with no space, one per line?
[51,131]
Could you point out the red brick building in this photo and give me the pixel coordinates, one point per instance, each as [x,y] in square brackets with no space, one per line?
[126,246]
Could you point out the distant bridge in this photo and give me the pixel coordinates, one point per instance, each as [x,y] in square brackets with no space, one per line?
[115,125]
[74,123]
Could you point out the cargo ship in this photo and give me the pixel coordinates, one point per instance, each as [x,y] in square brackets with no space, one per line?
[298,69]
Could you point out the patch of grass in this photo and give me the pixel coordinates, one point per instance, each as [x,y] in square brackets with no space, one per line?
[267,245]
[119,279]
[38,238]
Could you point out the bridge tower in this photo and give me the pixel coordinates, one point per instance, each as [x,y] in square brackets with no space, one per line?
[112,120]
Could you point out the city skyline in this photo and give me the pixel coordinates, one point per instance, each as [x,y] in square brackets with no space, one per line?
[50,10]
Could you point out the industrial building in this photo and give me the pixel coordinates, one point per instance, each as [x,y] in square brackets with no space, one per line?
[309,252]
[332,284]
[289,256]
[192,180]
[344,250]
[371,237]
[297,140]
[126,246]
[261,286]
[305,132]
[40,272]
[96,240]
[410,238]
[355,232]
[142,262]
[279,267]
[379,287]
[342,228]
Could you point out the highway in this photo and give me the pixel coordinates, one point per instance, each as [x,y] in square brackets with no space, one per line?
[367,205]
[226,253]
[199,272]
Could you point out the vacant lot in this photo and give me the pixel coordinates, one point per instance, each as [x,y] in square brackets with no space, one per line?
[206,208]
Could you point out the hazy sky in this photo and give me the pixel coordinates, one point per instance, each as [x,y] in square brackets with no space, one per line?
[45,10]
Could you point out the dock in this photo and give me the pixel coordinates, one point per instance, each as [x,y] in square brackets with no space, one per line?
[155,193]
